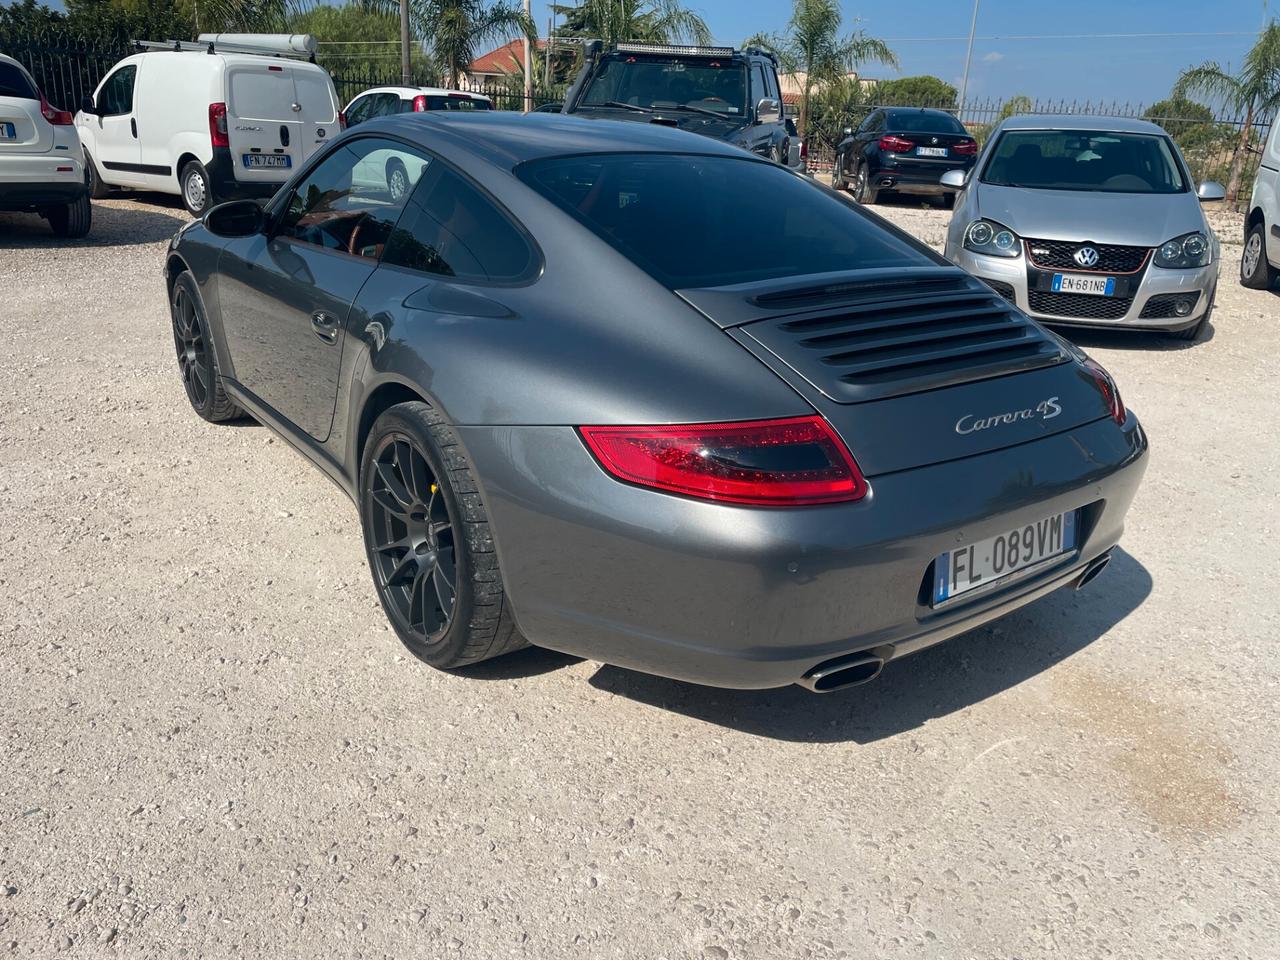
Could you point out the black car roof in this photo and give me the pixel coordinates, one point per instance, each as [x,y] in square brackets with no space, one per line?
[506,138]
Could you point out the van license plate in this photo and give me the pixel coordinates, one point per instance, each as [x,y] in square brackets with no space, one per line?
[997,558]
[7,132]
[271,161]
[1068,283]
[931,151]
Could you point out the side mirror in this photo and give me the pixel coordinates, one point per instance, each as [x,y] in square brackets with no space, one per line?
[768,110]
[954,178]
[1211,190]
[236,218]
[87,105]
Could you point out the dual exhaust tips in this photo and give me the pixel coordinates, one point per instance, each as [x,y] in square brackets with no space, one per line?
[859,668]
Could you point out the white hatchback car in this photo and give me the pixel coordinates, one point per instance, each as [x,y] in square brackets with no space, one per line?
[41,161]
[387,101]
[1260,262]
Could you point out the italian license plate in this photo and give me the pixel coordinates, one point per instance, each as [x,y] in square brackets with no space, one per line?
[997,558]
[270,161]
[7,132]
[1070,283]
[931,151]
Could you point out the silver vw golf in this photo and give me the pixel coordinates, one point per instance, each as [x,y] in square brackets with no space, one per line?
[1089,221]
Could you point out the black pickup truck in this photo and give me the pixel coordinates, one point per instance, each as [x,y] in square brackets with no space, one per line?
[719,92]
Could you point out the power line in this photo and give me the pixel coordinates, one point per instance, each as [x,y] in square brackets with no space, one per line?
[1077,36]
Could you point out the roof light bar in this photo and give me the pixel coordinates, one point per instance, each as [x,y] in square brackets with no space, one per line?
[675,49]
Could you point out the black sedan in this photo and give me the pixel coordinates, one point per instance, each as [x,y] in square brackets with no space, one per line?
[904,150]
[637,395]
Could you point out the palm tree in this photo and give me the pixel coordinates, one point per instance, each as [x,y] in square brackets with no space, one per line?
[455,30]
[813,47]
[1255,89]
[647,21]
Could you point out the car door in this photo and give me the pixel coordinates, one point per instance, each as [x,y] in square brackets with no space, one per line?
[865,135]
[285,294]
[116,147]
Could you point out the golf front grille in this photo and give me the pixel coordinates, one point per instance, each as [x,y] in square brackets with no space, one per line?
[1060,255]
[1084,306]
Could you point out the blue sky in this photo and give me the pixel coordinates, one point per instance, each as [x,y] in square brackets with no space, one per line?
[1127,70]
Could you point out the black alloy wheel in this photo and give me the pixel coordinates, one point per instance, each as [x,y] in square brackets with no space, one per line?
[412,546]
[196,362]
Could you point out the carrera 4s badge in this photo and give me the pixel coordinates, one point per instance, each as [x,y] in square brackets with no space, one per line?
[1044,410]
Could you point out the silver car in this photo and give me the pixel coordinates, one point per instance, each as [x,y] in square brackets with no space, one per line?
[1089,221]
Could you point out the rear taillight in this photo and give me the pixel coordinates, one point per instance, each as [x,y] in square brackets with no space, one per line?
[59,118]
[770,463]
[218,125]
[965,148]
[419,104]
[896,144]
[1107,386]
[804,149]
[342,120]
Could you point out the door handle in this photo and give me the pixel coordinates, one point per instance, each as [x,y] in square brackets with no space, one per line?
[133,126]
[325,326]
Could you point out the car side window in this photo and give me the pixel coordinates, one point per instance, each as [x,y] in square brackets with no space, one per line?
[116,98]
[385,105]
[351,201]
[771,82]
[758,89]
[359,111]
[452,229]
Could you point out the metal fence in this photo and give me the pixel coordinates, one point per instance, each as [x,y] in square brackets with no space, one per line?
[1211,141]
[68,67]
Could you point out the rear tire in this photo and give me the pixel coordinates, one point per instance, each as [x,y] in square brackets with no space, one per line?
[863,192]
[1255,272]
[73,220]
[397,179]
[196,361]
[948,201]
[97,189]
[428,542]
[197,191]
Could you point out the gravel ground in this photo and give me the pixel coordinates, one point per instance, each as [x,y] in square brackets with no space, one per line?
[212,746]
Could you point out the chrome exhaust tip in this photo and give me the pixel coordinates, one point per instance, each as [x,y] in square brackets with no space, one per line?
[1091,572]
[844,672]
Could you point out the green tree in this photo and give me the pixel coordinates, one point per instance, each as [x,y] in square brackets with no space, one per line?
[646,21]
[812,47]
[1019,103]
[835,107]
[922,91]
[1255,89]
[365,36]
[458,31]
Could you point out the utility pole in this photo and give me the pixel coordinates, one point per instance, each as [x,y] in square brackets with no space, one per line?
[528,63]
[406,70]
[968,57]
[551,42]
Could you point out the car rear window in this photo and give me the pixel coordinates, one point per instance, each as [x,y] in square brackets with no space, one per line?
[445,102]
[703,221]
[315,96]
[14,83]
[261,94]
[921,122]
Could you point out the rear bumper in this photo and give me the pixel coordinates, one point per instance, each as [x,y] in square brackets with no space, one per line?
[31,182]
[755,598]
[909,178]
[1196,286]
[222,179]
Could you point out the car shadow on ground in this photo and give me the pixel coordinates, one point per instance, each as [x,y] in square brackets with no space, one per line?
[934,683]
[114,225]
[1150,340]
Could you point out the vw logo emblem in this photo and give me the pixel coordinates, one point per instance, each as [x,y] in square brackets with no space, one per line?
[1086,256]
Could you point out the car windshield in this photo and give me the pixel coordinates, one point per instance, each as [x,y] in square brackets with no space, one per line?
[1085,160]
[921,122]
[703,221]
[718,85]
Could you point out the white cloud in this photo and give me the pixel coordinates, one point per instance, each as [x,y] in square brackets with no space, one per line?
[993,57]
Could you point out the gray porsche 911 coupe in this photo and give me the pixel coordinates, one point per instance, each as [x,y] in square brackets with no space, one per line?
[634,394]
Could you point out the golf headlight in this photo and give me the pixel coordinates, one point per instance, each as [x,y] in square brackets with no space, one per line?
[1184,252]
[991,238]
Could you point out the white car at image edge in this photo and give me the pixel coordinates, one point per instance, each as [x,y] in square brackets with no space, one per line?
[41,161]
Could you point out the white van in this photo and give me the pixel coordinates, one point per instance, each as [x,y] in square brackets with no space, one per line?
[1260,262]
[229,116]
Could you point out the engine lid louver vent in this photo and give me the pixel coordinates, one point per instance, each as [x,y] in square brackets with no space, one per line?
[888,338]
